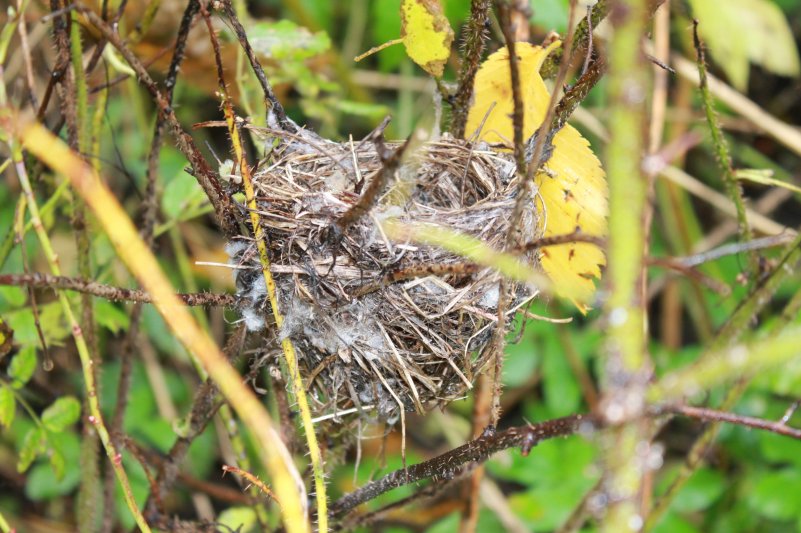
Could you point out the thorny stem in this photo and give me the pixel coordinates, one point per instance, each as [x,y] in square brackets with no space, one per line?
[702,413]
[581,40]
[450,463]
[109,292]
[730,181]
[286,343]
[96,417]
[627,363]
[390,162]
[475,37]
[236,439]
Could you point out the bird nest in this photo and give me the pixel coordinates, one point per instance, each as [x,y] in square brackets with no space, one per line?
[379,324]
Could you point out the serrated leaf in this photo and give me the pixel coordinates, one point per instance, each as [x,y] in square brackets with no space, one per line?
[8,406]
[22,367]
[49,481]
[32,445]
[426,34]
[762,37]
[62,413]
[573,188]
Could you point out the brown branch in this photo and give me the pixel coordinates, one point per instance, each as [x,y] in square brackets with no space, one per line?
[415,271]
[451,463]
[713,415]
[390,162]
[109,292]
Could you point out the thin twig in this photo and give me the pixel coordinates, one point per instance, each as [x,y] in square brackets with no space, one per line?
[712,415]
[109,292]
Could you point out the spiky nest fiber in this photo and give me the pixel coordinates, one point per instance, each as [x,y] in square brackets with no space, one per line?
[379,324]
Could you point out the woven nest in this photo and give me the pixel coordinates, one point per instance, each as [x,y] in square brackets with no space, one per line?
[381,325]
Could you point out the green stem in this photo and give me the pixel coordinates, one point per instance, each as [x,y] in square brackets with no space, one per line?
[721,148]
[626,354]
[81,89]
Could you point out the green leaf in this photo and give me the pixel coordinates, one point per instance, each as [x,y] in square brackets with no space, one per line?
[764,177]
[111,316]
[242,519]
[552,463]
[22,367]
[62,413]
[180,193]
[739,31]
[550,15]
[57,462]
[14,296]
[562,393]
[775,494]
[360,109]
[700,491]
[673,523]
[8,406]
[61,476]
[32,445]
[779,449]
[286,40]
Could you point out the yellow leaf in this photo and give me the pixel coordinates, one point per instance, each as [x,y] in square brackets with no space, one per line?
[572,188]
[426,34]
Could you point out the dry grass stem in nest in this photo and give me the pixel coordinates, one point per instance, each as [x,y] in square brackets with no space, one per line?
[381,325]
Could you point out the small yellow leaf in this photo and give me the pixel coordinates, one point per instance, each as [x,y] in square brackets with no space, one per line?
[572,188]
[426,34]
[493,94]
